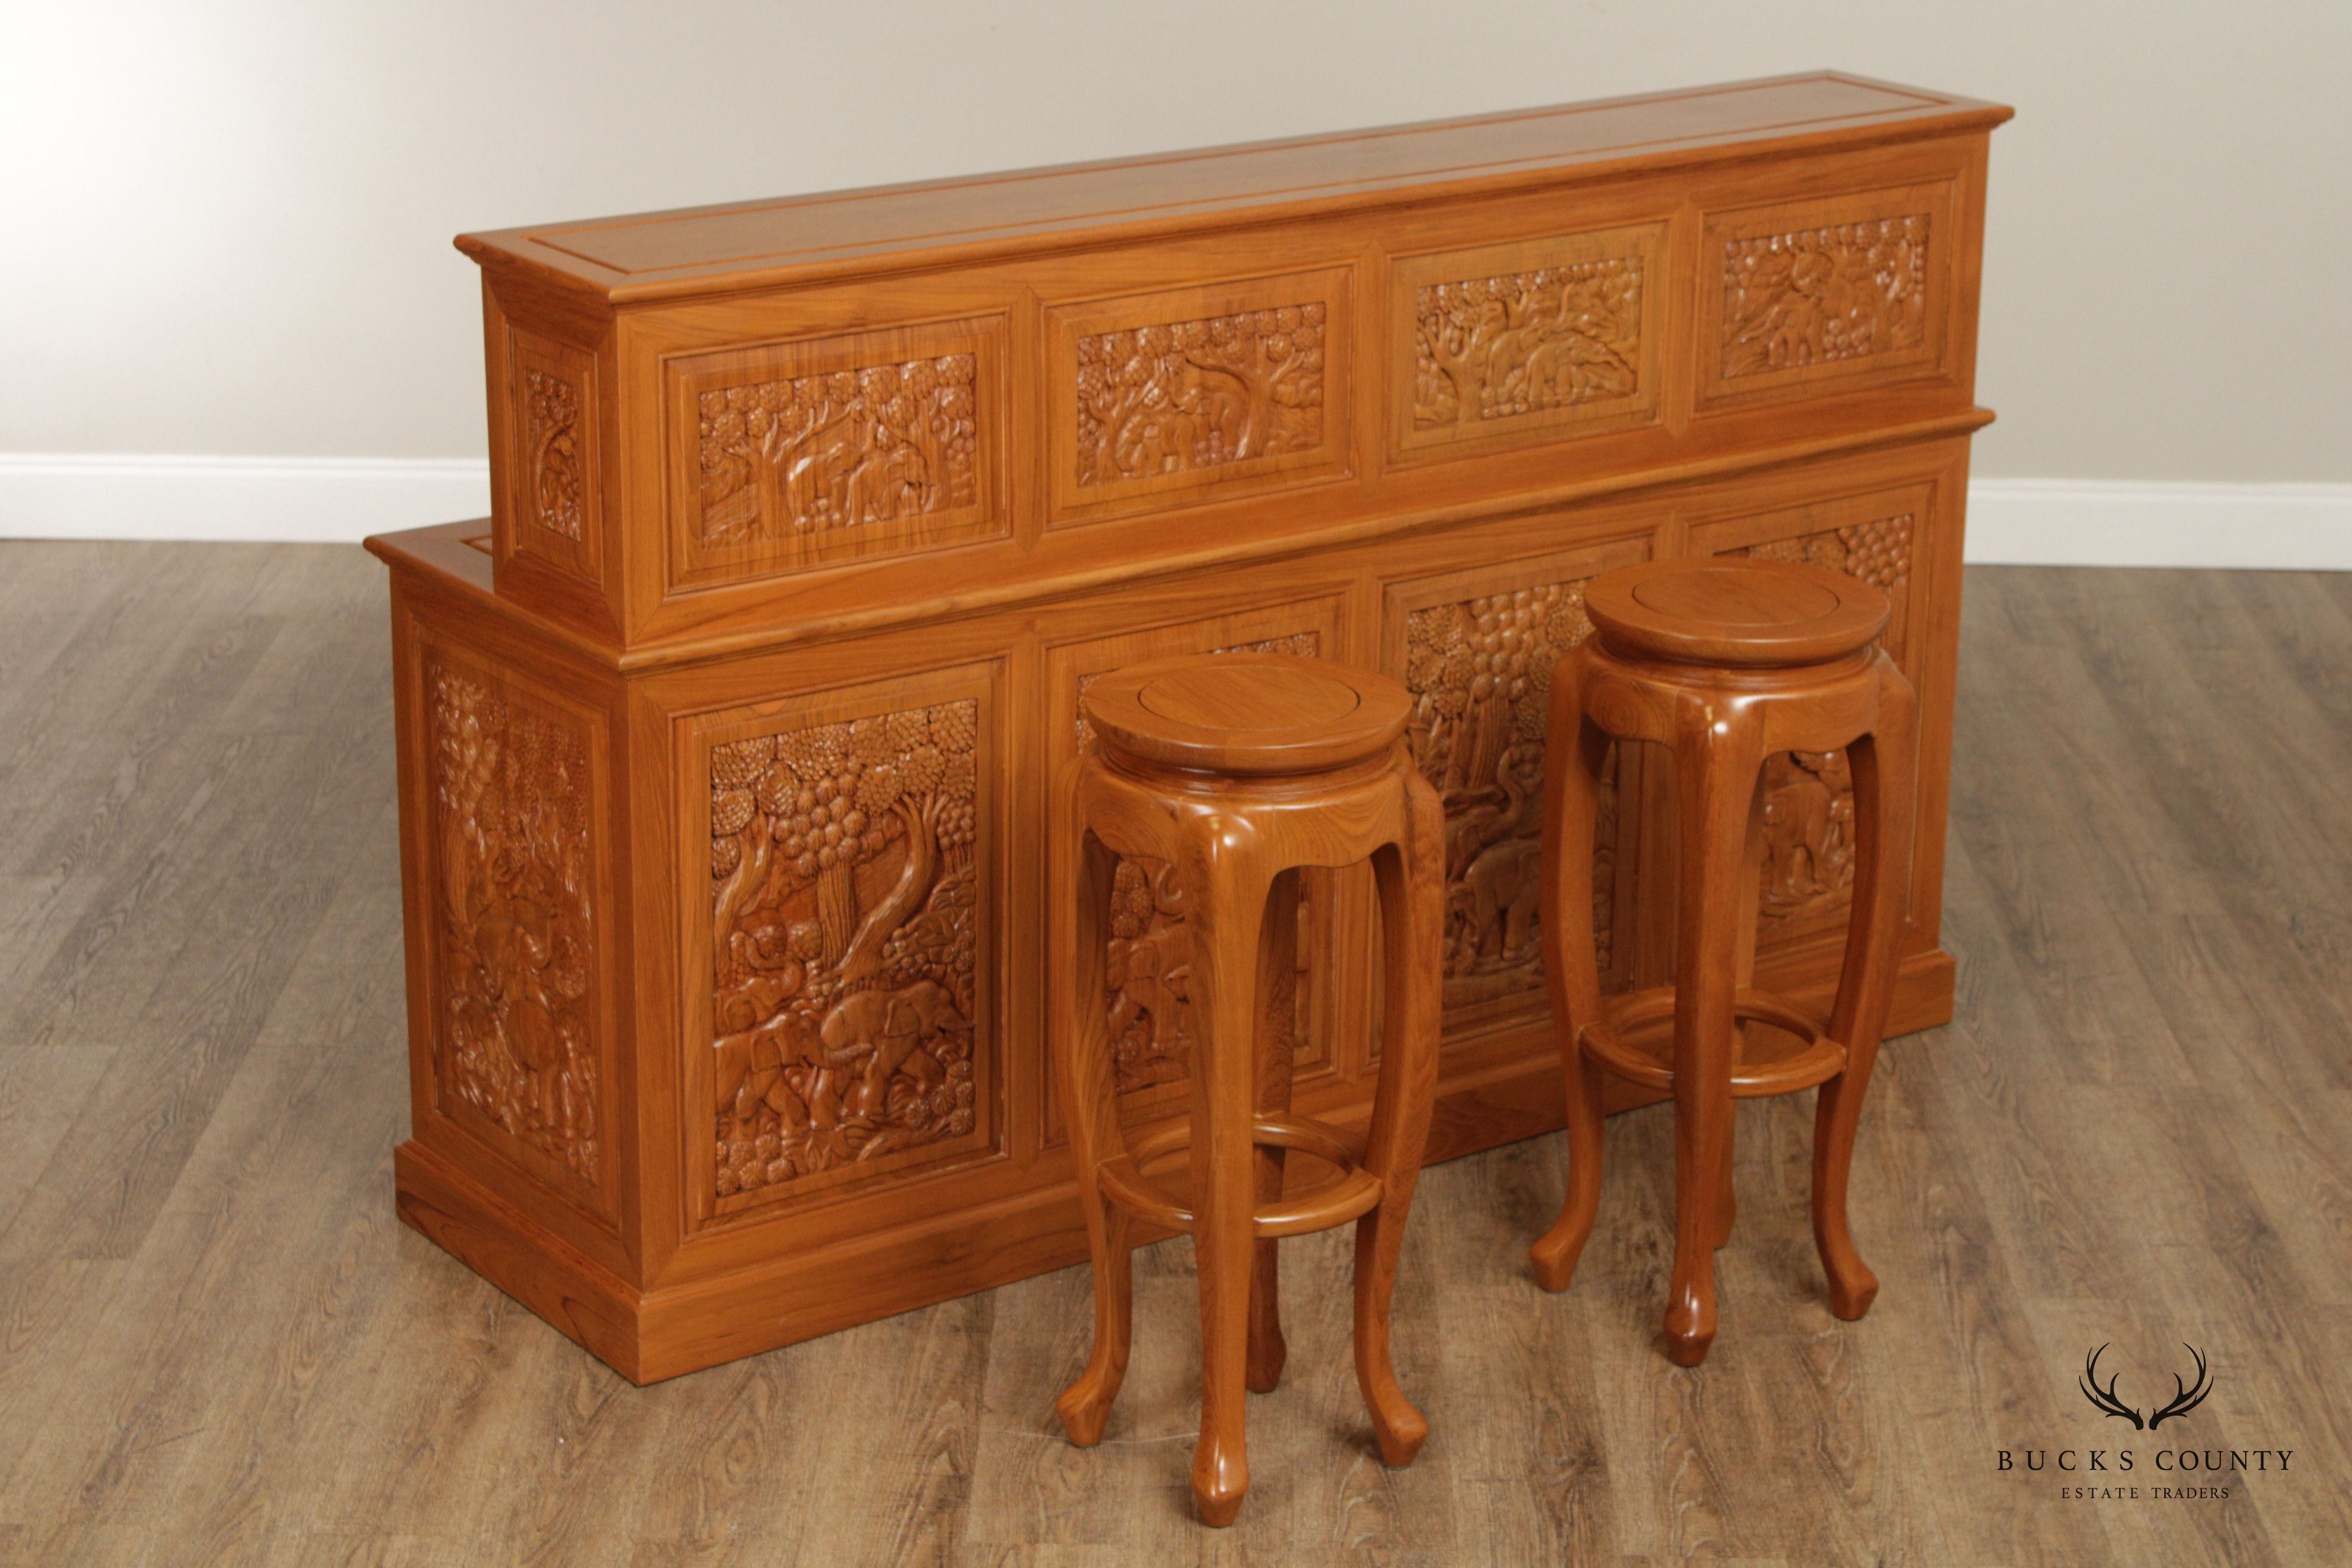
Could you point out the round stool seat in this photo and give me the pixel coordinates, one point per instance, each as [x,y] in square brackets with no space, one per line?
[1250,714]
[1732,611]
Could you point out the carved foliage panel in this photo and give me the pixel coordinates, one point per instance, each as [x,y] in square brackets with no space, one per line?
[796,455]
[1809,822]
[1151,953]
[849,896]
[1848,287]
[517,1052]
[552,483]
[1527,341]
[1477,651]
[1224,387]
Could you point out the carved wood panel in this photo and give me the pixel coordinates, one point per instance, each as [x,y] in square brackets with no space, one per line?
[849,942]
[551,476]
[1200,395]
[1236,385]
[1149,951]
[552,450]
[1849,288]
[1809,796]
[1528,340]
[517,1051]
[1846,291]
[1809,843]
[800,454]
[1477,650]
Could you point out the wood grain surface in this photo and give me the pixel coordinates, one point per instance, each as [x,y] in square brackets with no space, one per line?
[650,256]
[217,1345]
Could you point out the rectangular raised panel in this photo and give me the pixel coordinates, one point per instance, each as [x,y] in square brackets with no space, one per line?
[1808,884]
[1150,956]
[1226,388]
[520,1046]
[1822,293]
[789,455]
[849,886]
[552,479]
[1476,650]
[1533,341]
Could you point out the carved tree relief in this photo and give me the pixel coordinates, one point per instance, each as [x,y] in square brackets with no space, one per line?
[515,924]
[1808,795]
[551,416]
[845,448]
[1480,674]
[1819,295]
[844,908]
[1526,342]
[1200,395]
[1151,950]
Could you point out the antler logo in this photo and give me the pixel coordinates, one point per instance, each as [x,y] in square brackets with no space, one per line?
[2184,1397]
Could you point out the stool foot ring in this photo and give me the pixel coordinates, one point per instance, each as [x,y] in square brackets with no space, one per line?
[1634,1041]
[1352,1193]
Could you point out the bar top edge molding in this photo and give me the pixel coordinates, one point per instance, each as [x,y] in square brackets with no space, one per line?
[661,256]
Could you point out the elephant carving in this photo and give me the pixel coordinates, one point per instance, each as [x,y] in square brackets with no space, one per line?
[1808,832]
[888,1028]
[752,1071]
[1498,896]
[1148,977]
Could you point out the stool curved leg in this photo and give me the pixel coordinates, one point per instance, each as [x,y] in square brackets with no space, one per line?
[1080,873]
[1726,1201]
[1225,882]
[1751,903]
[1576,756]
[1277,1023]
[1411,881]
[1883,767]
[1717,758]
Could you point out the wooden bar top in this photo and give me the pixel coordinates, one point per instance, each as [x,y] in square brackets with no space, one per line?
[700,250]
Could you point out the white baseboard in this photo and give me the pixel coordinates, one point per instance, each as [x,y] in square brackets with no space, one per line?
[317,500]
[2051,522]
[2121,522]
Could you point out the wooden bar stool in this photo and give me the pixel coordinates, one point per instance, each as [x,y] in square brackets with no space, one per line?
[1726,663]
[1238,770]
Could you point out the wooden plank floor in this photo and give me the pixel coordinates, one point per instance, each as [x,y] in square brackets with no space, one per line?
[217,1346]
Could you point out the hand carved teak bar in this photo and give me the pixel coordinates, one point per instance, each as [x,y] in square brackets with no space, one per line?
[724,745]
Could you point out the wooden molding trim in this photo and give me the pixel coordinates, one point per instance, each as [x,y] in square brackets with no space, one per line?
[663,1333]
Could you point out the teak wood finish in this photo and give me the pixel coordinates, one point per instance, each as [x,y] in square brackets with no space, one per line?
[725,743]
[1238,772]
[1724,665]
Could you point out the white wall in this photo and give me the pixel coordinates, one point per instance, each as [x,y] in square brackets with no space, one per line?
[224,228]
